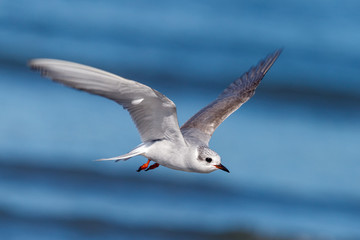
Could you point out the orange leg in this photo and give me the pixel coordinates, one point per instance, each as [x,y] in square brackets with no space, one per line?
[144,166]
[155,165]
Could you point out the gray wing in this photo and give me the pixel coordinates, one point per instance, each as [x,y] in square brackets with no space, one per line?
[153,113]
[202,125]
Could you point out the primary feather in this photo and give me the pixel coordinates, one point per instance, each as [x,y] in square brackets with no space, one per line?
[203,124]
[153,113]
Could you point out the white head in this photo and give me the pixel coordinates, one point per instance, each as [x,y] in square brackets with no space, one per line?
[208,160]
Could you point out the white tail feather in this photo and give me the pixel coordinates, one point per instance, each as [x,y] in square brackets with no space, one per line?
[139,150]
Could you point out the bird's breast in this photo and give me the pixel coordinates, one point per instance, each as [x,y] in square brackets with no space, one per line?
[171,155]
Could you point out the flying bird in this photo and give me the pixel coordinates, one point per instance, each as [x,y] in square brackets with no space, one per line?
[163,141]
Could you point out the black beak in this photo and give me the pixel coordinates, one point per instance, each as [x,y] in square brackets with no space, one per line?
[222,167]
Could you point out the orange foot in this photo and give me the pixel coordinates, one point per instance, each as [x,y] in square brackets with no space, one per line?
[155,165]
[144,166]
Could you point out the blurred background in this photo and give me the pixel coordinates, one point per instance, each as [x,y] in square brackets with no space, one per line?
[293,149]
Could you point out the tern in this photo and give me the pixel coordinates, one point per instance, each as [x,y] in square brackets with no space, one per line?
[163,141]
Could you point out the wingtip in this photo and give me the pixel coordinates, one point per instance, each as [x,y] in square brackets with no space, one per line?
[30,63]
[270,59]
[276,53]
[280,49]
[33,64]
[38,63]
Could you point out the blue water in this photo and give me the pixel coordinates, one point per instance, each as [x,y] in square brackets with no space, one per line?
[292,149]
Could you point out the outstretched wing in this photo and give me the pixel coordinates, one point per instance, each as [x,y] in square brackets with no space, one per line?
[202,125]
[153,113]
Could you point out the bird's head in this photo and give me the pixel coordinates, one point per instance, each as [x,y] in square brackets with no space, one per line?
[209,161]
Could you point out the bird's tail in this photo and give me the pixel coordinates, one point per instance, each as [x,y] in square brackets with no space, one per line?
[139,150]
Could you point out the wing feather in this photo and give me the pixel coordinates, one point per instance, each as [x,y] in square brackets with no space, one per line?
[153,113]
[203,124]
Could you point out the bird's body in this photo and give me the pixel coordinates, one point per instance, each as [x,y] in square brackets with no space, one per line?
[166,153]
[155,115]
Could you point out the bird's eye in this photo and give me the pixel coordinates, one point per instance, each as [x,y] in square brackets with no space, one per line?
[209,160]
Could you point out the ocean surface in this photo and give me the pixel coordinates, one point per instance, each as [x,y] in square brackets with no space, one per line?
[292,150]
